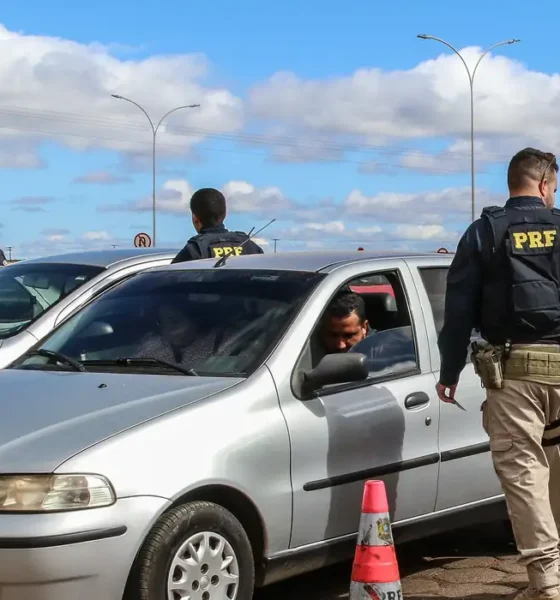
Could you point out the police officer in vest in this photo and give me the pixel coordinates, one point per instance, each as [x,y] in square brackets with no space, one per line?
[208,207]
[504,281]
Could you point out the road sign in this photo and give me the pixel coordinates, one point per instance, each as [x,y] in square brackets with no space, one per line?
[142,240]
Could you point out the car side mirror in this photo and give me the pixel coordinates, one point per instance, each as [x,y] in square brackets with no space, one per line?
[335,368]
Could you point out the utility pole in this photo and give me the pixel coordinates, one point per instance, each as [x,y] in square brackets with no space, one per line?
[9,249]
[471,75]
[155,128]
[275,240]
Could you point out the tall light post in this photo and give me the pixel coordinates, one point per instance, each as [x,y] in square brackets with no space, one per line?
[155,129]
[423,36]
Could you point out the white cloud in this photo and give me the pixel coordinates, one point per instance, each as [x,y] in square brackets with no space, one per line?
[60,241]
[385,216]
[420,207]
[429,100]
[175,197]
[102,178]
[380,237]
[369,230]
[53,88]
[94,236]
[18,153]
[241,196]
[425,232]
[334,227]
[32,203]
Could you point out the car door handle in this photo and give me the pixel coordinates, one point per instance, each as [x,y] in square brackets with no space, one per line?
[415,400]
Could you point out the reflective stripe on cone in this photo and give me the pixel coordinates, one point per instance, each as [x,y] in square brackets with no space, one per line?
[377,591]
[375,572]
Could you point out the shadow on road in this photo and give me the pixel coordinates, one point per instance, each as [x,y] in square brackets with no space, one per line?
[414,558]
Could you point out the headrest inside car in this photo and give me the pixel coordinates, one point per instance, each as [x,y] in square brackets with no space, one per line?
[380,302]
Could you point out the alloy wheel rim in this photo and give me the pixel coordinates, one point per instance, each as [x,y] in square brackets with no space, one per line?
[205,567]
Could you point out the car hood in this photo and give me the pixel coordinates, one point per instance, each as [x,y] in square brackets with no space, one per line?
[48,417]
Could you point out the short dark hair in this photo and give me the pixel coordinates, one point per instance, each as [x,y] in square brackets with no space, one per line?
[530,165]
[209,206]
[344,304]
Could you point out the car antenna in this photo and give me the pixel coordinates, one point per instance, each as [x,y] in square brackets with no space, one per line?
[222,261]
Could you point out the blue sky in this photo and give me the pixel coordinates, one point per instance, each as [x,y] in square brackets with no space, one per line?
[374,121]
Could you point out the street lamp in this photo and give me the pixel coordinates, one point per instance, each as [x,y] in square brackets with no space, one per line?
[155,129]
[423,36]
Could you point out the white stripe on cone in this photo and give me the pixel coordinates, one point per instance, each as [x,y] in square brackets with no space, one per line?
[375,591]
[375,530]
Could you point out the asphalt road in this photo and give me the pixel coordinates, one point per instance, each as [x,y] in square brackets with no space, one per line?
[469,564]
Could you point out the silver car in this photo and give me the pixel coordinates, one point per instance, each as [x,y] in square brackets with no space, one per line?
[185,435]
[37,295]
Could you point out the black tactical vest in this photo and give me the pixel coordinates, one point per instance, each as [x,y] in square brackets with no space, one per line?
[521,293]
[218,244]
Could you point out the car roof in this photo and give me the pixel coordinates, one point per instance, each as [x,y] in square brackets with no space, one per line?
[106,258]
[311,261]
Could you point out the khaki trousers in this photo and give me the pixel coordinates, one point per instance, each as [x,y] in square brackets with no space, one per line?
[514,418]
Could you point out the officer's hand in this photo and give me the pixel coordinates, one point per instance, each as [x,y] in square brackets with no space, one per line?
[441,389]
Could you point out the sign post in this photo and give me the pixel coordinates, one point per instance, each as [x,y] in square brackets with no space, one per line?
[142,240]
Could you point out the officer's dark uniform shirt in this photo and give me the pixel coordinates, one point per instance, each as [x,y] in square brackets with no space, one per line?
[216,242]
[519,304]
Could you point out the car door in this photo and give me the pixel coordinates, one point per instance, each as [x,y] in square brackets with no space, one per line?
[466,471]
[385,428]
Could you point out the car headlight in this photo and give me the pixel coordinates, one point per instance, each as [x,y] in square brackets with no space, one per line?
[49,493]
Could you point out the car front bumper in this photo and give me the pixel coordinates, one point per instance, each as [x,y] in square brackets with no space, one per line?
[65,556]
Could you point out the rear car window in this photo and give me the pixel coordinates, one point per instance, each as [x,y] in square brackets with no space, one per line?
[435,283]
[28,290]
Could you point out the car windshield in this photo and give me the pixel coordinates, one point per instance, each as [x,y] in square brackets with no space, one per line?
[27,290]
[208,322]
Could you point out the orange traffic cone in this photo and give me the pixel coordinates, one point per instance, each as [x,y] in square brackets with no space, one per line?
[375,572]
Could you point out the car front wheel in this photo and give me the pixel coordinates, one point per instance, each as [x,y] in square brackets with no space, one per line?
[197,551]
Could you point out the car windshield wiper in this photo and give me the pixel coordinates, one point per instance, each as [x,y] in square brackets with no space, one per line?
[61,358]
[125,362]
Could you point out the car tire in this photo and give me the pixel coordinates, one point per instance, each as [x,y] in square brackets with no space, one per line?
[167,562]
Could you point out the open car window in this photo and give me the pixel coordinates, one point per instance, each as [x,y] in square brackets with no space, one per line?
[215,322]
[28,290]
[390,344]
[390,347]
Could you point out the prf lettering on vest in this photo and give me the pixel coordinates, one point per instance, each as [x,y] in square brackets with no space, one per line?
[534,239]
[219,252]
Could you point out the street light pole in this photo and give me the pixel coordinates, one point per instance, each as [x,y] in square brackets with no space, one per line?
[155,129]
[423,36]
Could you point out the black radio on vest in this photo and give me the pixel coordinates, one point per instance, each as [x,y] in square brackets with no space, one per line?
[520,294]
[217,242]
